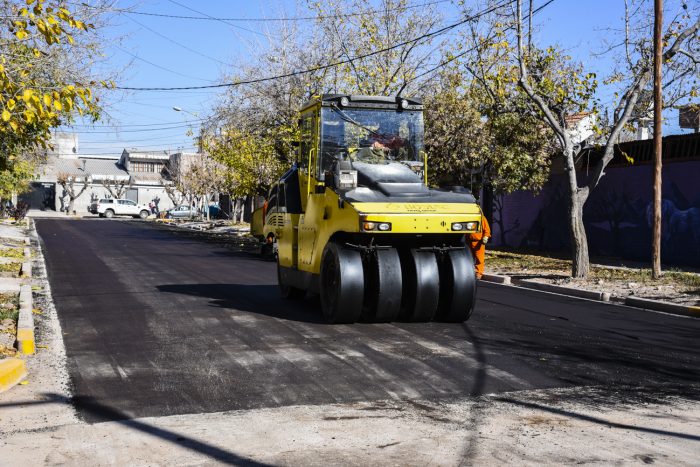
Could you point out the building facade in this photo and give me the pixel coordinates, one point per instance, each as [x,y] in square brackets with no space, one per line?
[140,176]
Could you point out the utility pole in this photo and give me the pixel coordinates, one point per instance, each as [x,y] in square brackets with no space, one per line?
[658,106]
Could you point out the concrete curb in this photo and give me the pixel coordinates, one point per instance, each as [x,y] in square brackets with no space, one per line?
[12,371]
[636,302]
[26,269]
[571,291]
[498,279]
[25,323]
[666,307]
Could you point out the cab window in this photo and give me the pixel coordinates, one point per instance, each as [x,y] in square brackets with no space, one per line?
[305,140]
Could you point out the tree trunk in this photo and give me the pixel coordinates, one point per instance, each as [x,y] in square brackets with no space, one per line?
[579,243]
[71,202]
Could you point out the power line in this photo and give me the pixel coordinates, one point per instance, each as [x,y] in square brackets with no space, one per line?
[471,49]
[161,67]
[170,149]
[106,145]
[216,19]
[280,19]
[331,65]
[169,39]
[120,141]
[137,131]
[116,127]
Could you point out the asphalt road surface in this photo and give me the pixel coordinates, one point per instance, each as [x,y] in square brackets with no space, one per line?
[158,323]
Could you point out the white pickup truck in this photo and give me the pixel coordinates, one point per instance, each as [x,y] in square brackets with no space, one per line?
[119,207]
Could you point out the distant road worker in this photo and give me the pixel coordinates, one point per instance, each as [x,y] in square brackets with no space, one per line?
[477,243]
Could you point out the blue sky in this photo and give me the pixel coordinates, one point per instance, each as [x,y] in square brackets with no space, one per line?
[171,52]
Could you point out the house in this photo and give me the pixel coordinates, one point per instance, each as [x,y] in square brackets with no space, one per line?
[137,175]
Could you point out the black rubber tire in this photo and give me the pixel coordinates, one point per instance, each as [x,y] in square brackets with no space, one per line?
[421,285]
[144,214]
[109,214]
[457,286]
[382,303]
[342,284]
[286,290]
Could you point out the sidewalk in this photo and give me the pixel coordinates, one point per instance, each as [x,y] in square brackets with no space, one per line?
[38,213]
[632,285]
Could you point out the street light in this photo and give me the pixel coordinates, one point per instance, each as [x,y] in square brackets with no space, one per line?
[180,109]
[195,115]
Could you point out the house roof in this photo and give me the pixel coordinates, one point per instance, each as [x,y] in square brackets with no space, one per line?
[105,167]
[573,119]
[145,178]
[149,155]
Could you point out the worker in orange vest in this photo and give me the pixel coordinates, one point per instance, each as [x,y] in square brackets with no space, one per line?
[477,243]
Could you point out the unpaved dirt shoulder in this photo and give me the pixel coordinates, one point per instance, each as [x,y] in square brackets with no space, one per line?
[524,428]
[30,406]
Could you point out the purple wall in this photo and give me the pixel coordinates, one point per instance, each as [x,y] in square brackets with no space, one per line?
[616,215]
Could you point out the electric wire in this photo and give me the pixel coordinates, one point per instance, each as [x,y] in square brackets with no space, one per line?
[173,41]
[136,57]
[330,65]
[139,125]
[471,49]
[217,19]
[282,19]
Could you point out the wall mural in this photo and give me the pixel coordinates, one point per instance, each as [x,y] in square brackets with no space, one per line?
[617,215]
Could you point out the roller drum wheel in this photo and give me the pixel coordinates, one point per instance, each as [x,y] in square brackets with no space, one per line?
[286,290]
[342,284]
[457,286]
[421,285]
[383,282]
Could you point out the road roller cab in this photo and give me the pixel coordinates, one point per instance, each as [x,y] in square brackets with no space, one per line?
[355,220]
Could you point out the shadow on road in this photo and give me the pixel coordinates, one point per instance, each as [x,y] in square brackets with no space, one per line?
[258,299]
[477,410]
[596,420]
[109,414]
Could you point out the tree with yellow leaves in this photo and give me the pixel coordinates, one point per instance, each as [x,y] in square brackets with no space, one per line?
[38,90]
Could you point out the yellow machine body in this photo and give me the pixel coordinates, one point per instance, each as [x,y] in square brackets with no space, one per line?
[307,211]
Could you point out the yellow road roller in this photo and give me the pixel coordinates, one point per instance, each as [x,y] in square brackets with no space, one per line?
[355,221]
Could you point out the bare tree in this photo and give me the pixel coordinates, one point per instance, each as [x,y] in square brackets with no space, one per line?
[117,188]
[556,100]
[68,183]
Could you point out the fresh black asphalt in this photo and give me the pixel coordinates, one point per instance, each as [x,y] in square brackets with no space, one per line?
[158,323]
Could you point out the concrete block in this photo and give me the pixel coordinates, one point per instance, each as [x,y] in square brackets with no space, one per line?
[25,323]
[12,371]
[667,307]
[574,292]
[496,278]
[26,270]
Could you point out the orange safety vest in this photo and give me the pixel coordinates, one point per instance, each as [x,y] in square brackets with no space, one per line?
[475,238]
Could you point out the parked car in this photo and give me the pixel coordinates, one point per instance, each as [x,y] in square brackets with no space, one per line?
[120,207]
[182,212]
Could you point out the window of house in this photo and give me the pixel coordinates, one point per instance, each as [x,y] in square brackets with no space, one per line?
[152,167]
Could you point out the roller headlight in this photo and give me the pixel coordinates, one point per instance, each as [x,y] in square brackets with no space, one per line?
[465,226]
[368,225]
[404,104]
[344,102]
[384,227]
